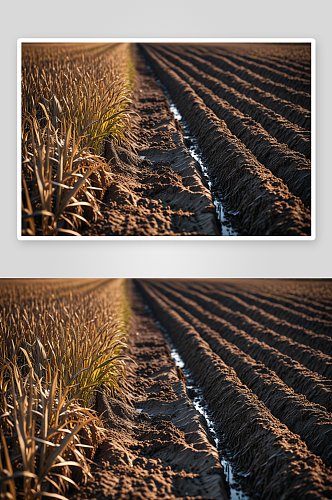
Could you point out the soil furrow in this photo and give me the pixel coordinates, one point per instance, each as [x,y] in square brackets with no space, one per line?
[245,299]
[316,388]
[294,56]
[297,72]
[292,112]
[301,98]
[313,425]
[306,67]
[156,187]
[299,62]
[301,305]
[157,445]
[257,436]
[236,313]
[284,163]
[275,75]
[249,98]
[298,333]
[273,209]
[307,293]
[264,54]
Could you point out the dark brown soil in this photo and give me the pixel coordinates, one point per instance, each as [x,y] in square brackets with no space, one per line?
[270,392]
[248,106]
[272,410]
[157,445]
[252,122]
[156,187]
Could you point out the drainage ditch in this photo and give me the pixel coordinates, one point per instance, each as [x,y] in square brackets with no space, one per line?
[223,213]
[232,474]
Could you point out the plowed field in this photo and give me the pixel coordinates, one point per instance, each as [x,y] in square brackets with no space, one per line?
[262,353]
[215,139]
[227,393]
[249,108]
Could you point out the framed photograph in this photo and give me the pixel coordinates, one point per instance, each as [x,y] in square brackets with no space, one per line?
[166,138]
[167,388]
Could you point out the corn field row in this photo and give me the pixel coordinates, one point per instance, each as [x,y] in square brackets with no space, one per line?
[60,340]
[74,97]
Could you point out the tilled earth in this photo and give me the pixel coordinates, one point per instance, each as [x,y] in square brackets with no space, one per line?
[261,351]
[249,107]
[157,444]
[156,187]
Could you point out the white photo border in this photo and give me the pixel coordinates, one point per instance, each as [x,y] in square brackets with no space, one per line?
[312,42]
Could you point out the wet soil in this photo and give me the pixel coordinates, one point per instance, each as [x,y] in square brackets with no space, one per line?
[272,412]
[267,395]
[248,107]
[155,187]
[157,445]
[251,117]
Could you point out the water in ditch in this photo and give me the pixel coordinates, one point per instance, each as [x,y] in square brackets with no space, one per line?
[191,143]
[196,395]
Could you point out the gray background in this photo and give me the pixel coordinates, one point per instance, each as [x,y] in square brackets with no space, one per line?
[158,18]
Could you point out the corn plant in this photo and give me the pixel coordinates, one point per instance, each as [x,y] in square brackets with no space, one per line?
[40,435]
[82,361]
[57,169]
[78,330]
[64,339]
[74,98]
[88,86]
[98,113]
[32,309]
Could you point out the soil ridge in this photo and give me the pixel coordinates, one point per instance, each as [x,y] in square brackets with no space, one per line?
[156,187]
[158,445]
[280,464]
